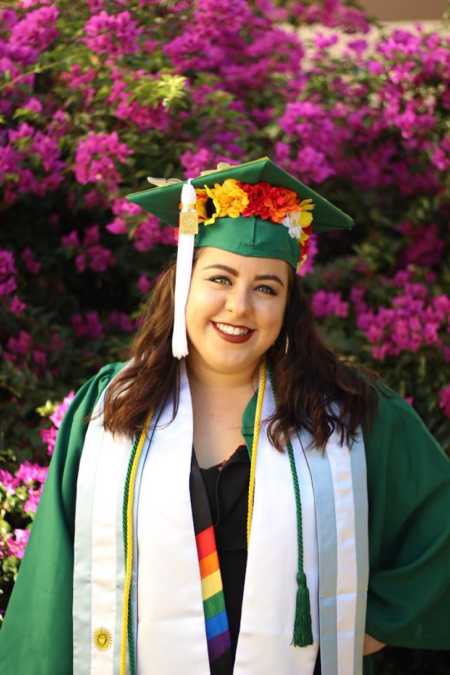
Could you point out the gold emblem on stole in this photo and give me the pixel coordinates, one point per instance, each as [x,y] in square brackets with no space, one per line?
[102,639]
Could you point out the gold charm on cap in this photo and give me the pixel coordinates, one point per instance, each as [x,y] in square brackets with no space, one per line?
[189,222]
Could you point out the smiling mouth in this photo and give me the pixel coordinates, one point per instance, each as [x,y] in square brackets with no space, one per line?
[230,333]
[229,329]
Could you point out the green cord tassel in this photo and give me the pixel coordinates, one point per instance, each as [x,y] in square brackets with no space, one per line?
[302,623]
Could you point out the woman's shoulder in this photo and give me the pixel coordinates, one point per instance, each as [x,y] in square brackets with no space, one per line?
[102,377]
[91,390]
[391,406]
[387,411]
[110,370]
[398,433]
[393,412]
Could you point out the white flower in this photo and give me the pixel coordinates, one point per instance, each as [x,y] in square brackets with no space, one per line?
[292,222]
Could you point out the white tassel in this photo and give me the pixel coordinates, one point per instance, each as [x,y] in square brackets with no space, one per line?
[185,255]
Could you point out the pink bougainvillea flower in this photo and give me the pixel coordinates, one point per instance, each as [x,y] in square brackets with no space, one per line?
[87,325]
[70,240]
[33,105]
[424,245]
[21,344]
[121,321]
[17,543]
[90,253]
[97,157]
[49,434]
[144,284]
[58,415]
[325,303]
[444,400]
[17,307]
[36,31]
[39,357]
[29,473]
[8,481]
[414,320]
[8,283]
[124,211]
[32,502]
[117,226]
[150,233]
[31,264]
[48,437]
[112,34]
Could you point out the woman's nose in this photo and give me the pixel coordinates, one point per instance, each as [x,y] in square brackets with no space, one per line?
[238,301]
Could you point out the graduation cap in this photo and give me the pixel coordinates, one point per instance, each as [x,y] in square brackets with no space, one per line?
[254,209]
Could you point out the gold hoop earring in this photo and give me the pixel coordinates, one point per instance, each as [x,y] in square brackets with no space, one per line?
[286,345]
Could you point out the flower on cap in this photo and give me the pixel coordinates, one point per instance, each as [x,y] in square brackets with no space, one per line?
[303,256]
[297,222]
[292,222]
[306,206]
[200,204]
[274,203]
[229,199]
[269,201]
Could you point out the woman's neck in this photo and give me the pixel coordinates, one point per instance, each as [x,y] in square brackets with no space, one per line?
[218,400]
[201,376]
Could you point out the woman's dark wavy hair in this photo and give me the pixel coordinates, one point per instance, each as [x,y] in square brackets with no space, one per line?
[308,376]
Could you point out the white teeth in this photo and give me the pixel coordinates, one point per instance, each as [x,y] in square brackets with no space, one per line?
[232,330]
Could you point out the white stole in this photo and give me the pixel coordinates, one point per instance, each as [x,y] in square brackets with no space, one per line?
[171,637]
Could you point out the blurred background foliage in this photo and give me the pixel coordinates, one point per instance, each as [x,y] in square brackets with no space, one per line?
[96,96]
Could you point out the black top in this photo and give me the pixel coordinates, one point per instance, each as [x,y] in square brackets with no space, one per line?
[227,488]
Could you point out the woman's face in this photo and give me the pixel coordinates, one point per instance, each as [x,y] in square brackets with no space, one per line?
[235,309]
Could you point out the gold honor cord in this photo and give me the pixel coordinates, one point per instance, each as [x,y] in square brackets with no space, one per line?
[129,545]
[256,433]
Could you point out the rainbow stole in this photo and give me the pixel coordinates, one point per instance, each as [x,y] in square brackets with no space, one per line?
[216,619]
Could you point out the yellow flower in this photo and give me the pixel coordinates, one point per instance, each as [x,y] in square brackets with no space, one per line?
[304,237]
[306,217]
[229,200]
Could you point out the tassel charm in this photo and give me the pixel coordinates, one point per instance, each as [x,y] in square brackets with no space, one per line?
[302,624]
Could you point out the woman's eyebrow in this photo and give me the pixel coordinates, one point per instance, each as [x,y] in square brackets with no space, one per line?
[225,268]
[260,277]
[269,277]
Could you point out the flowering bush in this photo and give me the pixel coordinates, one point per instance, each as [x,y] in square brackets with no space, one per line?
[96,96]
[376,121]
[20,493]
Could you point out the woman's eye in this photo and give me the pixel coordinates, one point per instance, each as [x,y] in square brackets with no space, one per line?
[266,289]
[221,280]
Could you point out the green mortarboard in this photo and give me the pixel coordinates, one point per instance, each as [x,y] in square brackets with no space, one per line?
[252,209]
[245,235]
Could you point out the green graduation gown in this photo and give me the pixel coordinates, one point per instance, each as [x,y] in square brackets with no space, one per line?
[409,540]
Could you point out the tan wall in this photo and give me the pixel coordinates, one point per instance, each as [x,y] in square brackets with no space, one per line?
[405,10]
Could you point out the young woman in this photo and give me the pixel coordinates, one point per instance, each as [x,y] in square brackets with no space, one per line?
[253,507]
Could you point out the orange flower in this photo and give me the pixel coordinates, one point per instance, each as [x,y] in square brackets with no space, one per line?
[200,204]
[269,202]
[284,201]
